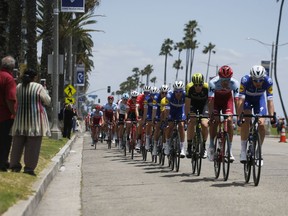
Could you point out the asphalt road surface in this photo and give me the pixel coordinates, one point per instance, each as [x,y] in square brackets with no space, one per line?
[113,184]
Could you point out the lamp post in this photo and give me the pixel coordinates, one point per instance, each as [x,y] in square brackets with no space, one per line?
[272,52]
[55,131]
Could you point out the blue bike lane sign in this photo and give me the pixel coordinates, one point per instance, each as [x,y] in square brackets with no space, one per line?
[76,6]
[80,75]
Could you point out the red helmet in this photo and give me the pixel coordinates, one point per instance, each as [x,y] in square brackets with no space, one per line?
[225,72]
[110,97]
[98,107]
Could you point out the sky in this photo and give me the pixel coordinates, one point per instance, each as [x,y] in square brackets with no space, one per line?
[134,31]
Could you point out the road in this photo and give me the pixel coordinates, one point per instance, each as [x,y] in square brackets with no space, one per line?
[116,185]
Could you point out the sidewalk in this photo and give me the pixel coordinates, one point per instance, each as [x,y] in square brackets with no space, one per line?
[27,207]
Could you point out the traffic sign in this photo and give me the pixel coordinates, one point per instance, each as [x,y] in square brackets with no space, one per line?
[70,90]
[70,100]
[80,75]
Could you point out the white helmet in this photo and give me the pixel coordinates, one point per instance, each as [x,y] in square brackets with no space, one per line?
[125,96]
[257,72]
[178,85]
[164,88]
[134,94]
[147,89]
[154,90]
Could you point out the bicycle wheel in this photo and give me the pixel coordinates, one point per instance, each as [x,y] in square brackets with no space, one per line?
[177,148]
[226,156]
[194,157]
[159,150]
[247,165]
[217,157]
[257,157]
[172,156]
[199,151]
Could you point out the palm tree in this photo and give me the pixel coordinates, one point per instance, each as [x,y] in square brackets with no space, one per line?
[190,31]
[275,60]
[166,49]
[208,49]
[153,80]
[3,26]
[136,75]
[30,12]
[177,64]
[148,71]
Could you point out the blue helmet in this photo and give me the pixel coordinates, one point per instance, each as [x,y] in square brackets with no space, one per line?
[125,96]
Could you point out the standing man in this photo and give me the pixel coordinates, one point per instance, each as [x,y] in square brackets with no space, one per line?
[7,108]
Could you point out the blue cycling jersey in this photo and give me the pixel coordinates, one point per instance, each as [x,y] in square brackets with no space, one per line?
[176,106]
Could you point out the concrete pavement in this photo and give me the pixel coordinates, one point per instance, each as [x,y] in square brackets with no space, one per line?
[28,207]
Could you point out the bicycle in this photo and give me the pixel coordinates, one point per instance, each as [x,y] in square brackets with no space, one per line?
[222,145]
[133,138]
[198,147]
[161,140]
[109,134]
[95,136]
[254,151]
[174,157]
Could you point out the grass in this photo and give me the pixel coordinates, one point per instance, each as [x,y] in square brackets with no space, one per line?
[18,186]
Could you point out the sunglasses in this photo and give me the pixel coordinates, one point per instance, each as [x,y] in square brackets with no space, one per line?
[164,93]
[178,91]
[134,97]
[225,79]
[198,85]
[258,80]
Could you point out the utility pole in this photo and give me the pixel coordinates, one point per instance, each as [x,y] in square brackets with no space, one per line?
[55,131]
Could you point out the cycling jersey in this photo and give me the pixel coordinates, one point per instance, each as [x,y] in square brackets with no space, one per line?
[132,109]
[149,103]
[96,117]
[110,110]
[175,106]
[255,97]
[198,99]
[223,90]
[122,109]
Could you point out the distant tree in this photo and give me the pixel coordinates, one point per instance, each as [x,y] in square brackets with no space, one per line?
[166,49]
[153,80]
[208,49]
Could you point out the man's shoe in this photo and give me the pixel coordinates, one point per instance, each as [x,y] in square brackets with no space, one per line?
[211,154]
[232,159]
[30,172]
[243,157]
[137,147]
[167,149]
[259,163]
[204,154]
[189,153]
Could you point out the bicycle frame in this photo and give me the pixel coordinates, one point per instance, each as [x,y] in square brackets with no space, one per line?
[174,158]
[254,149]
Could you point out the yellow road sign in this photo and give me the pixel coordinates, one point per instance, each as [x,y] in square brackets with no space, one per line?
[69,100]
[70,90]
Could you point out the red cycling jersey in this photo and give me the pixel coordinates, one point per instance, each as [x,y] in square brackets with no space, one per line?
[131,105]
[140,101]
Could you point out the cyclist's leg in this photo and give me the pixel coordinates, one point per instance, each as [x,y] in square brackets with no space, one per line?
[182,139]
[190,135]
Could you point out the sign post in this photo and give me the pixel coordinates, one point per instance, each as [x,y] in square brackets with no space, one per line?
[76,6]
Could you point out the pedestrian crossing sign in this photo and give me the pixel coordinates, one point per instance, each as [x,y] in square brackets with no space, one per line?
[70,90]
[69,100]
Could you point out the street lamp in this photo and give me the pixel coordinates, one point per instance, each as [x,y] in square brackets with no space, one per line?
[272,52]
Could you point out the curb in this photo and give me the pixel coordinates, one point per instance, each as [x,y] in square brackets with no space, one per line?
[27,207]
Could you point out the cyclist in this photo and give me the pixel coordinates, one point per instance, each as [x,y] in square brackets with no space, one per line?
[122,116]
[140,102]
[109,110]
[222,89]
[196,99]
[157,117]
[252,96]
[149,105]
[175,110]
[132,112]
[96,119]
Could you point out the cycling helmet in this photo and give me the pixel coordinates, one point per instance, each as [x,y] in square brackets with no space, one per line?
[125,96]
[198,78]
[257,72]
[147,89]
[164,88]
[225,72]
[134,94]
[178,85]
[93,110]
[154,90]
[110,97]
[98,107]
